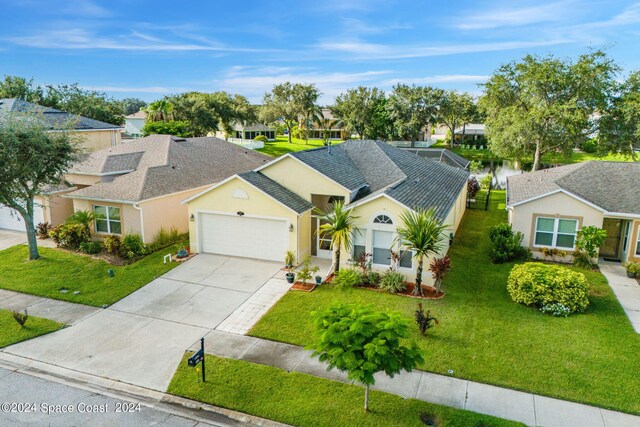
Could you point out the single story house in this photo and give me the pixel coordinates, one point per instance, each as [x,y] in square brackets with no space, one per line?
[133,124]
[50,206]
[138,187]
[265,212]
[550,206]
[95,134]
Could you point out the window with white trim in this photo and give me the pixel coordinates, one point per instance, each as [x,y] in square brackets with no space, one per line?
[382,219]
[381,247]
[107,219]
[406,258]
[556,232]
[359,243]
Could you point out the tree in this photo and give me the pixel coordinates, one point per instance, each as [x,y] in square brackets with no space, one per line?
[360,341]
[357,109]
[32,158]
[286,102]
[455,109]
[421,232]
[172,127]
[325,124]
[619,130]
[307,96]
[339,225]
[159,111]
[87,103]
[132,105]
[545,105]
[21,88]
[380,126]
[411,108]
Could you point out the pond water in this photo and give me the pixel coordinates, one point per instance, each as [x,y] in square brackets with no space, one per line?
[501,169]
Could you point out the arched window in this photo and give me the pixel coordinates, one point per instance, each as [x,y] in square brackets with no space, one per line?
[382,219]
[239,193]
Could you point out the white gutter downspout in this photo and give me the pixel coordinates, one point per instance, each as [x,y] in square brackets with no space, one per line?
[139,209]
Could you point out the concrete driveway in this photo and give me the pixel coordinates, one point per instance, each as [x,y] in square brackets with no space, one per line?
[10,238]
[141,339]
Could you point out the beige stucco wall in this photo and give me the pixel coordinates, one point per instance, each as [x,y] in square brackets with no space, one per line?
[166,212]
[221,199]
[82,180]
[305,237]
[55,208]
[303,180]
[99,139]
[556,205]
[129,216]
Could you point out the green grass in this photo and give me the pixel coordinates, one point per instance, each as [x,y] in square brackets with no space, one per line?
[281,146]
[486,155]
[304,400]
[57,269]
[11,332]
[484,336]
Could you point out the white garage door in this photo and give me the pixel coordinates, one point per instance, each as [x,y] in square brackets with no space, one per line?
[244,236]
[12,220]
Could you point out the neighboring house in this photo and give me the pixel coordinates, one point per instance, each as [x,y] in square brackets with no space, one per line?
[138,187]
[471,132]
[550,206]
[245,134]
[265,212]
[95,134]
[333,132]
[133,124]
[49,206]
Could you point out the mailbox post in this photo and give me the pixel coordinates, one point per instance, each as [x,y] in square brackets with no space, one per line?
[198,357]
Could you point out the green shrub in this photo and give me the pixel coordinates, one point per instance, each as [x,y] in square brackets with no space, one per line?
[540,285]
[70,236]
[506,245]
[371,278]
[90,247]
[588,242]
[112,244]
[347,278]
[589,146]
[260,138]
[392,282]
[132,246]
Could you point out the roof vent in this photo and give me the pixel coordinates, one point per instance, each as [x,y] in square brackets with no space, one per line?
[417,180]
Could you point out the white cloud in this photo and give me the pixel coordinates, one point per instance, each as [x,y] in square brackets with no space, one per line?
[496,18]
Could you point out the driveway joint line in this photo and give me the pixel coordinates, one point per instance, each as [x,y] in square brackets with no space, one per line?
[158,318]
[198,284]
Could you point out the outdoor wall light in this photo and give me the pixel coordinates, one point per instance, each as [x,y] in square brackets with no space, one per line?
[290,228]
[192,218]
[240,213]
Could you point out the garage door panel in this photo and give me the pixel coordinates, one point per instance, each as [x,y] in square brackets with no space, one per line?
[244,236]
[12,220]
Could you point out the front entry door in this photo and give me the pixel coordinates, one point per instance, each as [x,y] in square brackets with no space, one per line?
[625,239]
[611,246]
[323,242]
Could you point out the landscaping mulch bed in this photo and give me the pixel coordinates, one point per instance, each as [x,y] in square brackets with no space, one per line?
[305,287]
[428,291]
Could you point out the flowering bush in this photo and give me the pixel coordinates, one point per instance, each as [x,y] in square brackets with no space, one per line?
[556,309]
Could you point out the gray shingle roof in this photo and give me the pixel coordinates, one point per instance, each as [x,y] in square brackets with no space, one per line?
[54,119]
[613,186]
[277,191]
[164,164]
[417,182]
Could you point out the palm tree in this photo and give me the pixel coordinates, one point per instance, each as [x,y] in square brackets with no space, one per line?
[339,224]
[161,110]
[84,218]
[325,124]
[422,234]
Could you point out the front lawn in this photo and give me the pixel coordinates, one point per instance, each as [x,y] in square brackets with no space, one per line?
[281,146]
[11,332]
[59,274]
[484,336]
[305,400]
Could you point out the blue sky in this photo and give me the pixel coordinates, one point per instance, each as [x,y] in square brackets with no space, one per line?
[151,48]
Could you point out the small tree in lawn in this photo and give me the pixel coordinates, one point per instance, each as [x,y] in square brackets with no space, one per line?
[33,157]
[339,224]
[361,341]
[421,233]
[588,240]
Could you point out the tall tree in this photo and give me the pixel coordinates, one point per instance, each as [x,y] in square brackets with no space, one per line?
[455,109]
[132,105]
[33,158]
[88,103]
[21,88]
[307,98]
[544,105]
[411,108]
[619,129]
[357,109]
[361,342]
[286,102]
[421,232]
[159,111]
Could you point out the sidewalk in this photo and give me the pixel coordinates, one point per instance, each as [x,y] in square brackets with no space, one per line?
[626,290]
[531,409]
[60,311]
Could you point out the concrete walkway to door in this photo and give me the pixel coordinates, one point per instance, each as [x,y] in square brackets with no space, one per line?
[626,290]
